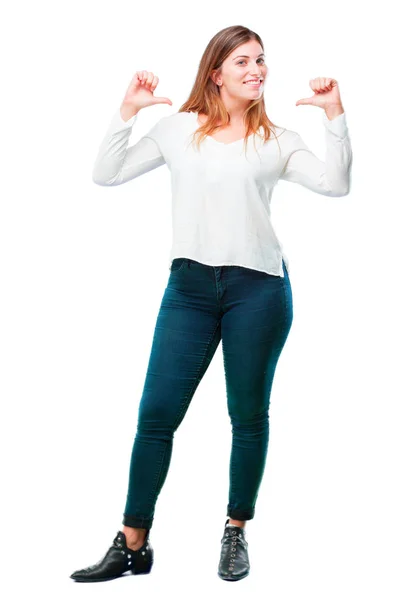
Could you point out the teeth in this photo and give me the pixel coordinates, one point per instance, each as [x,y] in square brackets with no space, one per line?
[253,81]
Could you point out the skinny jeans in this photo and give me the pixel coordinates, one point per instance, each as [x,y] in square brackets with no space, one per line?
[251,312]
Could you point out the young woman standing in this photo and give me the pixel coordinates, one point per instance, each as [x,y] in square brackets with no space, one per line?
[229,277]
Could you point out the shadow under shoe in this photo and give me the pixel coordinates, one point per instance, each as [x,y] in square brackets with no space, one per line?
[234,562]
[119,559]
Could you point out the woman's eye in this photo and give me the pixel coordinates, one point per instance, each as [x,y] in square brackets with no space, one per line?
[242,61]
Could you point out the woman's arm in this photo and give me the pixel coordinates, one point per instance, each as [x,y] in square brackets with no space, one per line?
[116,163]
[330,178]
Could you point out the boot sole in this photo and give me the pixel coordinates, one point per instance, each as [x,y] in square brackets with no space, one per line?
[124,574]
[229,578]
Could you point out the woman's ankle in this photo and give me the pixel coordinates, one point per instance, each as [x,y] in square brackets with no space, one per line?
[134,534]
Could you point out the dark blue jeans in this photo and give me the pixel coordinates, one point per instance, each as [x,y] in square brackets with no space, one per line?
[251,311]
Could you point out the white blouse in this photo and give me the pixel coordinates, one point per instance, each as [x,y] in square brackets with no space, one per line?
[221,197]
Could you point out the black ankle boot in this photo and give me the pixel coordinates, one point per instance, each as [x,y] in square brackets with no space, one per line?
[117,560]
[234,562]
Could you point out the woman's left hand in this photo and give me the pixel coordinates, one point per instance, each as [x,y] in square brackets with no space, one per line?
[326,93]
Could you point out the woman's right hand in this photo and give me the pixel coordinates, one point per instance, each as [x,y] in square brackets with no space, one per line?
[140,93]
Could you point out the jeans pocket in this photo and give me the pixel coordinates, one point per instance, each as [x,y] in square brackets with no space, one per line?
[177,264]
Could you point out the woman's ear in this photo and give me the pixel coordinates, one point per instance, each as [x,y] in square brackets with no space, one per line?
[215,76]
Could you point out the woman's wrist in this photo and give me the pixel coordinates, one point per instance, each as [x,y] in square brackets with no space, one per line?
[127,112]
[334,110]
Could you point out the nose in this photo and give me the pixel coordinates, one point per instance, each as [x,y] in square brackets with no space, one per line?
[259,73]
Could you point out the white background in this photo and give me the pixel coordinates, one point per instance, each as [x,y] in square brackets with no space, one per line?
[82,272]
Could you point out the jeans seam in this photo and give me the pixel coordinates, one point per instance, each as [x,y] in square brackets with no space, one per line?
[198,376]
[157,477]
[285,283]
[183,407]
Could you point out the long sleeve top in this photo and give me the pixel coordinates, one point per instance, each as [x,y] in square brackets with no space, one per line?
[221,194]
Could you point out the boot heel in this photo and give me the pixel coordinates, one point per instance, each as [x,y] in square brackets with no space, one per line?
[143,560]
[142,569]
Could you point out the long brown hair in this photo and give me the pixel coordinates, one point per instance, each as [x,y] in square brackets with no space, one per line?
[205,98]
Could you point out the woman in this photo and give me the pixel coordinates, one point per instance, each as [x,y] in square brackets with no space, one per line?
[228,277]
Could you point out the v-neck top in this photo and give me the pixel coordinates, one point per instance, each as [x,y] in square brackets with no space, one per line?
[196,121]
[221,193]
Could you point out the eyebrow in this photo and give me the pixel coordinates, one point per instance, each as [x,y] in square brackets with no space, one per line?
[244,56]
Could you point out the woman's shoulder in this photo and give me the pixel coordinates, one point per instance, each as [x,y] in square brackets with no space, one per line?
[167,124]
[178,117]
[283,134]
[174,120]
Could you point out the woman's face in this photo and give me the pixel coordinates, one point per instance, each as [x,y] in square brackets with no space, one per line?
[246,62]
